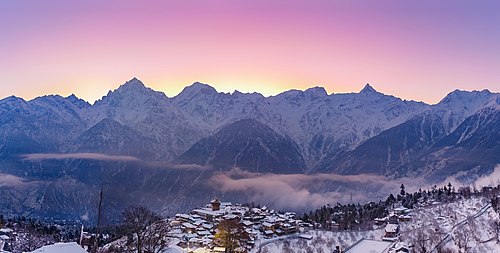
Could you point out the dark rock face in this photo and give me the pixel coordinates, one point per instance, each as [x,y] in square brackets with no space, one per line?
[247,144]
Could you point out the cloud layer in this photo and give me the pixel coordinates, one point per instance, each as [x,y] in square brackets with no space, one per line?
[10,180]
[299,191]
[85,156]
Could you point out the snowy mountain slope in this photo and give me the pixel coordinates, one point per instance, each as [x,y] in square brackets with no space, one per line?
[422,147]
[323,126]
[319,123]
[458,105]
[46,122]
[469,151]
[110,137]
[248,144]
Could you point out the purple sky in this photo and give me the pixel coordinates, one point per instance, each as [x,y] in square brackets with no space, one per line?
[417,50]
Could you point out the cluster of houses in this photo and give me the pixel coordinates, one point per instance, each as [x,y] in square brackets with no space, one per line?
[389,242]
[197,229]
[391,222]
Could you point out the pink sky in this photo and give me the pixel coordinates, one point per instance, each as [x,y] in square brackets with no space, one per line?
[418,50]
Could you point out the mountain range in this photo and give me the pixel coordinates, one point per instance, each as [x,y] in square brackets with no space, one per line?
[207,132]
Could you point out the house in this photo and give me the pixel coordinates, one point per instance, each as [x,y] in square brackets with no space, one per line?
[381,221]
[215,204]
[401,248]
[219,249]
[268,233]
[268,226]
[371,246]
[401,210]
[391,230]
[393,219]
[306,236]
[188,227]
[208,214]
[68,247]
[404,218]
[288,228]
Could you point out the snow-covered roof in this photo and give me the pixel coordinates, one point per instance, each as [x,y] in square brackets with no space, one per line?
[267,224]
[306,236]
[247,223]
[371,246]
[207,212]
[201,250]
[219,249]
[207,226]
[68,247]
[5,230]
[229,216]
[188,225]
[391,228]
[268,232]
[202,233]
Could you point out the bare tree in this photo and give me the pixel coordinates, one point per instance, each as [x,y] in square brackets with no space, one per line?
[495,227]
[462,237]
[148,231]
[229,234]
[421,241]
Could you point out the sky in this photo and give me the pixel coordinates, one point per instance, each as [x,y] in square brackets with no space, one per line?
[416,50]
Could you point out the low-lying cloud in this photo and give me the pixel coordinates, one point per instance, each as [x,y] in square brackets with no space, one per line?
[10,180]
[296,191]
[300,191]
[492,179]
[171,166]
[85,156]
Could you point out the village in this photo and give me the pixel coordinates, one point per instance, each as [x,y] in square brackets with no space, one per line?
[429,224]
[196,231]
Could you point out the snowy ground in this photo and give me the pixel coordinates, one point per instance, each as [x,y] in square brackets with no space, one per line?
[463,223]
[322,241]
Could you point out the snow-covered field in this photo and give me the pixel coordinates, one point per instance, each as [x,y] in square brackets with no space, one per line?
[322,241]
[466,224]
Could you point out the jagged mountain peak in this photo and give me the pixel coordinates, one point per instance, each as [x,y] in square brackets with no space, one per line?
[60,99]
[77,101]
[133,84]
[458,95]
[12,98]
[238,93]
[368,89]
[298,96]
[134,89]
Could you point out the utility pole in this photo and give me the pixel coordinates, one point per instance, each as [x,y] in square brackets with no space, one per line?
[96,241]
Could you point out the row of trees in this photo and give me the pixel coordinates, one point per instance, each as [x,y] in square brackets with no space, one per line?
[356,216]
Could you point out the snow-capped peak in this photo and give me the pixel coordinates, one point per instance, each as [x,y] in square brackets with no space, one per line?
[368,89]
[133,89]
[199,88]
[12,99]
[196,89]
[77,101]
[132,84]
[315,92]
